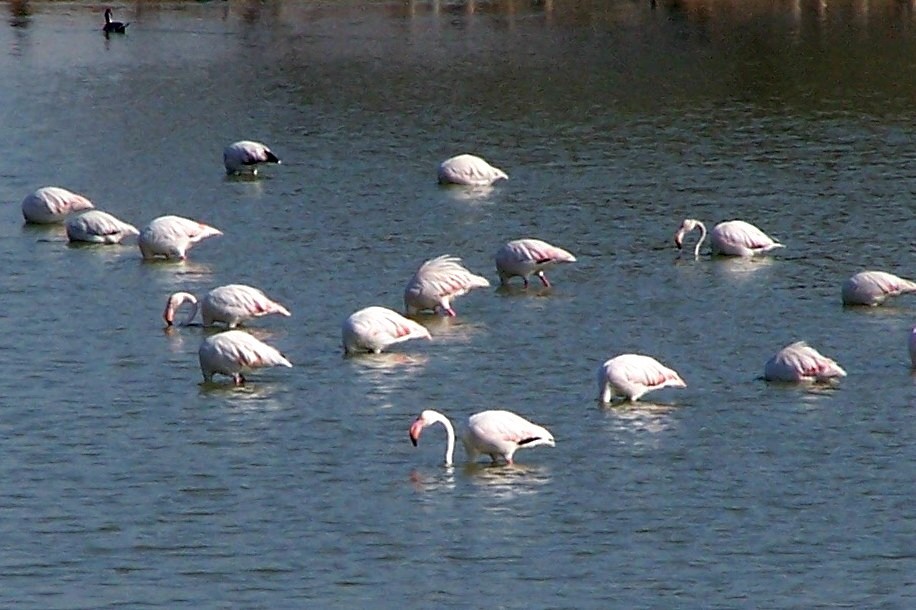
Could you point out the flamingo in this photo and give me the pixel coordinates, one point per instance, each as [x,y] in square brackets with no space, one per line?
[913,347]
[245,156]
[495,433]
[633,375]
[469,171]
[51,204]
[231,304]
[731,238]
[524,257]
[113,27]
[234,352]
[801,362]
[173,236]
[375,328]
[98,227]
[873,287]
[437,282]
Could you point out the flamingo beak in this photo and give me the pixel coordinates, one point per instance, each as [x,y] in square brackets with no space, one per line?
[415,429]
[169,315]
[679,240]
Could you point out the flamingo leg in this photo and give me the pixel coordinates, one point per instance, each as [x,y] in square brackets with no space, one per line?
[544,279]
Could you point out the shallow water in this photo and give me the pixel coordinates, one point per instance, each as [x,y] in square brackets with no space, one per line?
[125,482]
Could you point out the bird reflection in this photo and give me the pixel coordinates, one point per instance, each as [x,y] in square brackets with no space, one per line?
[441,479]
[518,290]
[507,482]
[475,194]
[648,417]
[449,329]
[20,13]
[742,267]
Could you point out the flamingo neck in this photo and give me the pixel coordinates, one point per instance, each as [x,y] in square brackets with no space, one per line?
[450,434]
[696,250]
[195,307]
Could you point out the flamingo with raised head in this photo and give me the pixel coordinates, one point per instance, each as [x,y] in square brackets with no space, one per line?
[469,170]
[437,282]
[98,227]
[498,434]
[235,352]
[375,328]
[113,27]
[173,236]
[801,362]
[52,204]
[730,238]
[526,257]
[245,156]
[632,375]
[873,287]
[231,304]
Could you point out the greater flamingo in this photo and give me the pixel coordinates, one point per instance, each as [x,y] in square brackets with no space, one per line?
[373,329]
[52,204]
[113,27]
[235,352]
[469,170]
[873,287]
[231,304]
[98,227]
[498,434]
[524,257]
[437,282]
[731,238]
[173,236]
[632,375]
[801,362]
[245,156]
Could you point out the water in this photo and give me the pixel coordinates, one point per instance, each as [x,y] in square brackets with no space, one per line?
[126,483]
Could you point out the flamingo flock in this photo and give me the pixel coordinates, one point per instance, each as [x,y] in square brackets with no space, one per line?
[433,288]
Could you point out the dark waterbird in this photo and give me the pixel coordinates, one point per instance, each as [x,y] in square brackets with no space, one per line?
[113,27]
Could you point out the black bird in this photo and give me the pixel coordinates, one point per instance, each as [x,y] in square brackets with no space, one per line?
[113,27]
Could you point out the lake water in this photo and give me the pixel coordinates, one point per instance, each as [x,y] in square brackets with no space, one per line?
[126,483]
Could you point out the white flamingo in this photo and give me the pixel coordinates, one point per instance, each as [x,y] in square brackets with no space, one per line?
[913,347]
[801,362]
[113,27]
[98,227]
[173,236]
[731,238]
[235,352]
[52,204]
[231,304]
[469,171]
[873,287]
[525,257]
[437,282]
[498,434]
[245,156]
[632,375]
[373,329]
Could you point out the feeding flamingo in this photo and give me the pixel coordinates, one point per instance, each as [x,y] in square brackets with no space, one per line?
[437,282]
[633,375]
[245,156]
[373,329]
[98,227]
[873,287]
[52,204]
[498,434]
[234,352]
[524,257]
[469,170]
[231,304]
[801,362]
[731,238]
[173,236]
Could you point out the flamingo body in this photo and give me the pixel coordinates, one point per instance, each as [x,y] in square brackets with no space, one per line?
[437,282]
[52,204]
[231,305]
[98,227]
[801,362]
[526,257]
[245,156]
[873,287]
[113,27]
[373,329]
[498,434]
[172,236]
[730,238]
[469,170]
[632,375]
[235,352]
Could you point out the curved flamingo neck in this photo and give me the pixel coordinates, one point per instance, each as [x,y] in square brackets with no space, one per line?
[450,433]
[696,250]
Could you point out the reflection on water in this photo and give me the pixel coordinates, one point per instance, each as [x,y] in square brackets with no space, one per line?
[447,329]
[640,417]
[470,194]
[506,483]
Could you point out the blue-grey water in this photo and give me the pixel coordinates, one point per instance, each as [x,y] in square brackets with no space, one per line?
[125,483]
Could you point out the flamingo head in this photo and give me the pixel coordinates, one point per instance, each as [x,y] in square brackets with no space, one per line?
[687,226]
[175,301]
[424,419]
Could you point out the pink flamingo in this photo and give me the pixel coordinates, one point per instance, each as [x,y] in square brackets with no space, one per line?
[801,362]
[632,375]
[525,257]
[231,304]
[437,282]
[731,238]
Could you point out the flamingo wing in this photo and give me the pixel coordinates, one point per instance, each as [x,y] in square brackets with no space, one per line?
[51,204]
[235,351]
[98,227]
[234,303]
[801,362]
[375,328]
[469,170]
[438,281]
[737,237]
[873,287]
